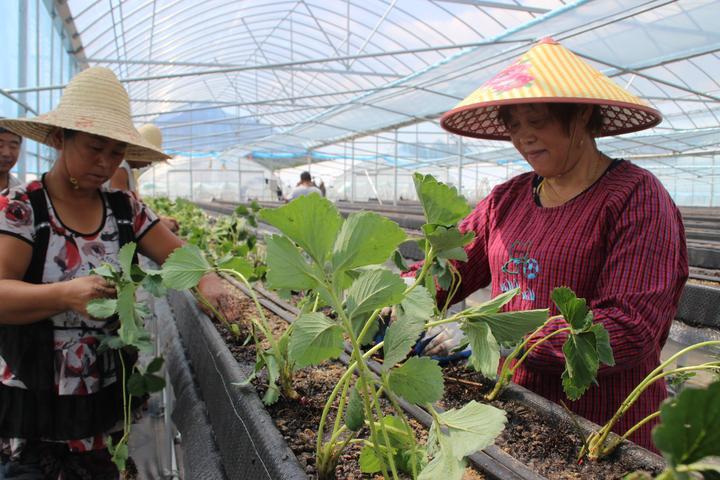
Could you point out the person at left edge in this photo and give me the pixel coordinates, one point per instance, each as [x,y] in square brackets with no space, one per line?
[61,396]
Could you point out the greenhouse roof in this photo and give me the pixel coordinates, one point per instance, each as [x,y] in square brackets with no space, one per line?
[285,77]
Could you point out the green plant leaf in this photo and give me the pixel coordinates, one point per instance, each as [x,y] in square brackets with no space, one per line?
[443,466]
[355,414]
[102,307]
[374,289]
[311,221]
[106,271]
[154,285]
[399,261]
[573,309]
[118,452]
[495,304]
[419,380]
[315,338]
[510,327]
[473,427]
[485,355]
[155,365]
[581,364]
[184,268]
[442,204]
[689,429]
[125,257]
[417,304]
[365,238]
[448,240]
[286,266]
[369,461]
[602,344]
[400,337]
[240,265]
[272,394]
[458,253]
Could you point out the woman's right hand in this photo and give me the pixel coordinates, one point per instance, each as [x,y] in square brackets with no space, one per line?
[79,291]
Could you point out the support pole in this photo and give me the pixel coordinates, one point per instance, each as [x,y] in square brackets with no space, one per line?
[460,164]
[352,173]
[395,171]
[22,80]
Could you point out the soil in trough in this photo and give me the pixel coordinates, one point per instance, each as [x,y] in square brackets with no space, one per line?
[297,420]
[550,449]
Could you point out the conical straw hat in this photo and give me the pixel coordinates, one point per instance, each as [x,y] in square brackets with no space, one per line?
[152,134]
[93,102]
[548,72]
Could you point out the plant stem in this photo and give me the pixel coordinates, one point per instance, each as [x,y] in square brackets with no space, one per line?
[507,370]
[642,422]
[364,382]
[596,441]
[536,344]
[328,405]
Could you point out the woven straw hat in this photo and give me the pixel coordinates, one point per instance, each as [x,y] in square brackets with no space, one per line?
[152,134]
[93,102]
[548,73]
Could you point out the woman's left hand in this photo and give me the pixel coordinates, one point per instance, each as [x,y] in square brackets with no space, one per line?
[213,288]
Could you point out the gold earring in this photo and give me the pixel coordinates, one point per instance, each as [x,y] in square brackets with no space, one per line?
[74,183]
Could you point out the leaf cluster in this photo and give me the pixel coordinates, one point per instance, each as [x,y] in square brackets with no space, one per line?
[586,346]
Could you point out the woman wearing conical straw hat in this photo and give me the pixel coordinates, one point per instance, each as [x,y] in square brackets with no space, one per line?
[59,394]
[603,227]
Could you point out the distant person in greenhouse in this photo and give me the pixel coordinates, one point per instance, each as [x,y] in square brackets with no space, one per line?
[604,227]
[304,187]
[61,395]
[10,144]
[125,179]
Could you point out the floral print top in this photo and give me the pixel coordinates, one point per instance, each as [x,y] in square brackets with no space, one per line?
[79,369]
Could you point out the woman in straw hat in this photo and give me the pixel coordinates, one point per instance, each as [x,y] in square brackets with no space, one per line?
[604,227]
[59,396]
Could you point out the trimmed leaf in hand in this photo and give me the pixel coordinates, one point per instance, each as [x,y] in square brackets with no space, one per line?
[106,271]
[287,268]
[154,285]
[311,221]
[315,338]
[419,380]
[102,307]
[355,414]
[184,268]
[441,203]
[365,238]
[125,257]
[689,427]
[510,327]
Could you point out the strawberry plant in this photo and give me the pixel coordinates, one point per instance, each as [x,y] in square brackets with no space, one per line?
[340,262]
[689,435]
[600,444]
[586,346]
[131,336]
[185,267]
